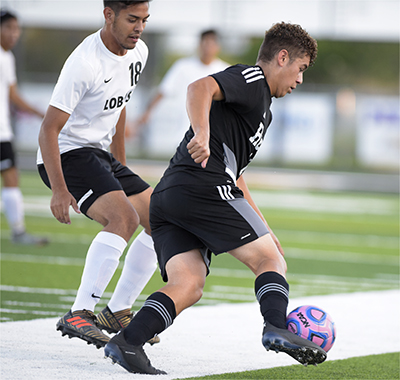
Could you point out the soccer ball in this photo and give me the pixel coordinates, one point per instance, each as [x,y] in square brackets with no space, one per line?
[314,324]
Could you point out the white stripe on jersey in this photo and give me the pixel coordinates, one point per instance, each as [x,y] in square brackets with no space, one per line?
[252,74]
[225,192]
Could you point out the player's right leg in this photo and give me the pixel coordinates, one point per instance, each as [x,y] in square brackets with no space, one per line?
[272,292]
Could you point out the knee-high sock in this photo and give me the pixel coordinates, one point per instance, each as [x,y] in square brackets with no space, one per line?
[156,315]
[272,293]
[140,264]
[101,262]
[14,208]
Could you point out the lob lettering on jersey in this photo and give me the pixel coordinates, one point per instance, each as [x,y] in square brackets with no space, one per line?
[117,102]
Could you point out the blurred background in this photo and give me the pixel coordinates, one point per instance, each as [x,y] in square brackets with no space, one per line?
[345,116]
[326,177]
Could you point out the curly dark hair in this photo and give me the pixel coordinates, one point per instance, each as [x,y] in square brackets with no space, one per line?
[117,5]
[291,37]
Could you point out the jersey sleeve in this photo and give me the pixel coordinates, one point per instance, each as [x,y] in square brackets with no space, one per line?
[241,85]
[75,80]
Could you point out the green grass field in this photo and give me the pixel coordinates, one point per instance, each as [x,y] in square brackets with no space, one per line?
[334,243]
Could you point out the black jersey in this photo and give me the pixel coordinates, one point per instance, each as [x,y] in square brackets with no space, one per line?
[237,128]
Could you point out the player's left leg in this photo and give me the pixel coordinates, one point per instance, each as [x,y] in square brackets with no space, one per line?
[186,278]
[272,291]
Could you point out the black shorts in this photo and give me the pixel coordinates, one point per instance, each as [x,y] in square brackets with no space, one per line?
[7,156]
[212,219]
[90,173]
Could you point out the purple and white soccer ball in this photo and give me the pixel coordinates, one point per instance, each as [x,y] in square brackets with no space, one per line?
[312,323]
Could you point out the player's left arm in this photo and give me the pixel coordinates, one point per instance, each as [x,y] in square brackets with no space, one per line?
[241,183]
[21,104]
[117,147]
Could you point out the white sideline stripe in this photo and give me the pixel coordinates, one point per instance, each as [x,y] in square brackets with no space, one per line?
[290,252]
[226,339]
[337,239]
[299,200]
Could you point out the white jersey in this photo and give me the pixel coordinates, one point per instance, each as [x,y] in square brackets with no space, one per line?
[174,87]
[93,87]
[7,79]
[185,71]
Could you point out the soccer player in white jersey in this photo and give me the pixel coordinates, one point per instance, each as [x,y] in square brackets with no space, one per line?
[183,72]
[85,118]
[11,193]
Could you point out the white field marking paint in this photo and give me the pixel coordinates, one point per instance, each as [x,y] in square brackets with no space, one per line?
[34,312]
[341,204]
[52,260]
[352,240]
[35,304]
[61,238]
[40,205]
[17,257]
[340,256]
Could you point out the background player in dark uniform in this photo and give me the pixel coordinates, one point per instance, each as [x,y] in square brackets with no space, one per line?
[202,203]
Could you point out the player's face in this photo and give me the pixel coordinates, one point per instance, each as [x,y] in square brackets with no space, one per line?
[10,33]
[291,76]
[129,25]
[208,49]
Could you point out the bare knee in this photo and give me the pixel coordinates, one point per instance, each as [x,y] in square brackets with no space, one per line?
[194,289]
[126,223]
[121,222]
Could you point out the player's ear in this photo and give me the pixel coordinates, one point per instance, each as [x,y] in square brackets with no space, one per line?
[283,57]
[108,15]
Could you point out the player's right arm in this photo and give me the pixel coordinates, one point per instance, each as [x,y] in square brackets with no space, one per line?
[200,95]
[52,124]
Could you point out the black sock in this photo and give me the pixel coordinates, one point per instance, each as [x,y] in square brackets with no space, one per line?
[272,293]
[157,314]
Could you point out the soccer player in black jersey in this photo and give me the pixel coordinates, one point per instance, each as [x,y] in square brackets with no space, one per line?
[202,203]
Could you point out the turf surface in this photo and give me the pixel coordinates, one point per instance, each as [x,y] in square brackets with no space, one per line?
[334,243]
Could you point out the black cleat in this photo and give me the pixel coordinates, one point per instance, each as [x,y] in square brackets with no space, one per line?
[82,324]
[114,322]
[282,340]
[132,358]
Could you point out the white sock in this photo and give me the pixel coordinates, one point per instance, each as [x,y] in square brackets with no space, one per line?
[140,264]
[102,260]
[13,204]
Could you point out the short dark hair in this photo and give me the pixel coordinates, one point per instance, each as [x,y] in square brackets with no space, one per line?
[209,33]
[117,5]
[6,15]
[291,37]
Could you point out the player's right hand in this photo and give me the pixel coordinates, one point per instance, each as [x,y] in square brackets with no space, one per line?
[59,205]
[199,149]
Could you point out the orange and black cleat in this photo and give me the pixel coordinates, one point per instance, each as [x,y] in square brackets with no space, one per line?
[82,324]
